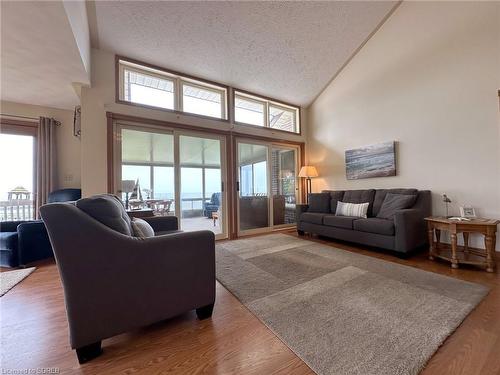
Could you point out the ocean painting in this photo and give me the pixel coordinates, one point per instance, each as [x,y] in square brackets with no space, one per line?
[377,160]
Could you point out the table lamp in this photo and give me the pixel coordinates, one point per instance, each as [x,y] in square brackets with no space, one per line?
[308,171]
[127,188]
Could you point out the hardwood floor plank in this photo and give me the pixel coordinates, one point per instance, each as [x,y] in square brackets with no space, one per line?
[35,333]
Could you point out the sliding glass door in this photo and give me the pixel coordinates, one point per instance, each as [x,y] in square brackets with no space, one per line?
[173,173]
[267,186]
[284,184]
[253,197]
[201,195]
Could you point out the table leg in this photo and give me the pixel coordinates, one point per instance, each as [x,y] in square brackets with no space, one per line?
[430,233]
[454,259]
[490,241]
[438,238]
[466,241]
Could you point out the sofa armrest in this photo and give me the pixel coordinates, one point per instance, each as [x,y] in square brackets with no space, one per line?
[299,210]
[34,243]
[10,226]
[410,230]
[163,223]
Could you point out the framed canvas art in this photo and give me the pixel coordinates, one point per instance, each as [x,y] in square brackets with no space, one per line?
[378,160]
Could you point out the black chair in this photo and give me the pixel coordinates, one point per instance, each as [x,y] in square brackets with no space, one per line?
[211,206]
[23,242]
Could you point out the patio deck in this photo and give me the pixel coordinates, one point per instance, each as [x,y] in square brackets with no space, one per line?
[200,223]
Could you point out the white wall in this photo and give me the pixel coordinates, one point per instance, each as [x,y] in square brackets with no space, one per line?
[67,147]
[427,79]
[100,98]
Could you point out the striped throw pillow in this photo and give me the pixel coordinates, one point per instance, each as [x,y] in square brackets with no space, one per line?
[352,209]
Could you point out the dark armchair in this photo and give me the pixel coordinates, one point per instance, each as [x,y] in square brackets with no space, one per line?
[114,282]
[211,206]
[23,242]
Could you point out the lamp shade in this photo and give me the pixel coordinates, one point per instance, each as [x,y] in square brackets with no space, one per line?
[308,171]
[128,186]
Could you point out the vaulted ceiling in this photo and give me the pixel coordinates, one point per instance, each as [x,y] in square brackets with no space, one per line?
[40,54]
[286,50]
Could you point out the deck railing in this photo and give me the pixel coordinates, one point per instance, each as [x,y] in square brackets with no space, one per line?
[17,209]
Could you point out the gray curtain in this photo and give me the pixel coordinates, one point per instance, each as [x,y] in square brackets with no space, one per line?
[45,161]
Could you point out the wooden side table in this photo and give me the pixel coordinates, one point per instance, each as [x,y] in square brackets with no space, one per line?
[478,257]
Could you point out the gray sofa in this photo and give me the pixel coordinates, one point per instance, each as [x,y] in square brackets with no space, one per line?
[404,233]
[114,282]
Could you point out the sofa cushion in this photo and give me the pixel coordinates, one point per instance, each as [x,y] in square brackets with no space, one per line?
[335,196]
[393,203]
[319,202]
[108,210]
[141,228]
[339,221]
[360,196]
[381,193]
[312,217]
[375,225]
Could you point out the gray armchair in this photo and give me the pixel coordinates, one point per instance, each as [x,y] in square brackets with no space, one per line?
[114,282]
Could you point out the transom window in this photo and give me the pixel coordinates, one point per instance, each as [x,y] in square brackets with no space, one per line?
[155,87]
[162,89]
[249,109]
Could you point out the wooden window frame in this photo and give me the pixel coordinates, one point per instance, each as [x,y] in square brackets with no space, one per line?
[27,128]
[229,95]
[267,101]
[178,79]
[231,137]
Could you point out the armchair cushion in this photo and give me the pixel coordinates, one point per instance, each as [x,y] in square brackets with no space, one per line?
[108,210]
[141,228]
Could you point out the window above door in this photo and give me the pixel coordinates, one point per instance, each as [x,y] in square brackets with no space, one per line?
[157,88]
[154,87]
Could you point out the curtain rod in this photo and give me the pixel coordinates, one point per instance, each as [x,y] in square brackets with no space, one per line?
[30,118]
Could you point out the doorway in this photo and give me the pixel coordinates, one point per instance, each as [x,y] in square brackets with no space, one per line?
[174,172]
[267,186]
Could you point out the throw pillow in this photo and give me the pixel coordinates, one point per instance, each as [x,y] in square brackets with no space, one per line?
[319,202]
[141,228]
[352,209]
[107,209]
[393,203]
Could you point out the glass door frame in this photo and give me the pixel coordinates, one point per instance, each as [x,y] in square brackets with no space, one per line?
[298,191]
[176,133]
[223,167]
[298,185]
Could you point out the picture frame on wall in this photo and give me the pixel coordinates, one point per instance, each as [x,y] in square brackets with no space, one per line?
[467,211]
[376,160]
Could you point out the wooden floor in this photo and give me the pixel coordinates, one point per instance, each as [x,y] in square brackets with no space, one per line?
[35,334]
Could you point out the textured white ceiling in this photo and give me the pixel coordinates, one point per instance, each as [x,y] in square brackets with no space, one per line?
[286,50]
[39,56]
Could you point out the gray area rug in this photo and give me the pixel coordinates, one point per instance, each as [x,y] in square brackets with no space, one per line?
[10,279]
[342,312]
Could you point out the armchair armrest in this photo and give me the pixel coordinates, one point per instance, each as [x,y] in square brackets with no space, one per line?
[34,243]
[163,223]
[299,210]
[410,229]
